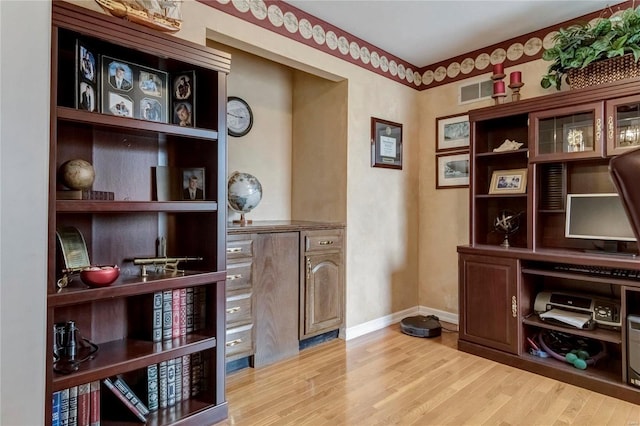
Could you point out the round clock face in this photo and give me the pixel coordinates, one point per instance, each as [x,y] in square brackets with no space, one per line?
[239,117]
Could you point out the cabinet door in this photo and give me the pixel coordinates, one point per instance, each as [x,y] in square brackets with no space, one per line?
[322,293]
[489,302]
[567,133]
[623,124]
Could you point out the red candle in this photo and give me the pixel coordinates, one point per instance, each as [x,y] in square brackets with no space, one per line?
[498,69]
[515,77]
[498,87]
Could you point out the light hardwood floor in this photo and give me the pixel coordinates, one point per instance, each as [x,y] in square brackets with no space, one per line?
[389,378]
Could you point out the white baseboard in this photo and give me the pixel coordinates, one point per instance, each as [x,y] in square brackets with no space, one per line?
[396,317]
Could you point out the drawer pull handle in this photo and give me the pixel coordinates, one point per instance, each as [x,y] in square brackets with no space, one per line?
[234,249]
[234,342]
[234,309]
[234,277]
[326,242]
[514,307]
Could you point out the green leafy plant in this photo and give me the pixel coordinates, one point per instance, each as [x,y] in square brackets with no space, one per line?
[581,44]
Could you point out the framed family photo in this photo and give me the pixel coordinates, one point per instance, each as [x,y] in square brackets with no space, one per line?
[452,170]
[86,78]
[134,91]
[452,133]
[386,144]
[508,182]
[183,99]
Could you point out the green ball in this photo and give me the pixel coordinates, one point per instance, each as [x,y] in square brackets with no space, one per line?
[583,355]
[571,358]
[580,364]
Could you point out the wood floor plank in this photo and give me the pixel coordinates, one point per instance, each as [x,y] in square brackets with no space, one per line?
[389,378]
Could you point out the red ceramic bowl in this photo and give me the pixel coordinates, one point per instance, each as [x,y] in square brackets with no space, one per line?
[100,276]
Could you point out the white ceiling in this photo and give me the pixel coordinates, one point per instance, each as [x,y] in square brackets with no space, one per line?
[424,32]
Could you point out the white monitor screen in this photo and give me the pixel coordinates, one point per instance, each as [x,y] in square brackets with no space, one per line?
[598,217]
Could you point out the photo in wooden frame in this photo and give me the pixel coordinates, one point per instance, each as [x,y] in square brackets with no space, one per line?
[86,78]
[193,183]
[508,182]
[452,170]
[452,133]
[386,144]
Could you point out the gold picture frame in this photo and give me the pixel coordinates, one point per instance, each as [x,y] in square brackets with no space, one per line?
[508,182]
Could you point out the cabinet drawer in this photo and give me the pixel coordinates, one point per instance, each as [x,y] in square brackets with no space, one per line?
[239,341]
[239,309]
[323,240]
[239,275]
[239,248]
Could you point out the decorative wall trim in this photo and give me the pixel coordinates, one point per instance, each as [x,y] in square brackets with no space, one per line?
[293,23]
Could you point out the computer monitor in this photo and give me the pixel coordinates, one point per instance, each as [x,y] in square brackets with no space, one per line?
[597,217]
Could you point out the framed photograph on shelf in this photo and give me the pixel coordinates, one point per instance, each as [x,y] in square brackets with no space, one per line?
[86,78]
[386,144]
[452,133]
[131,90]
[452,170]
[508,182]
[192,183]
[183,99]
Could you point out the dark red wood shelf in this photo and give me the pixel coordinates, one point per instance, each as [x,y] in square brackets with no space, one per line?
[103,206]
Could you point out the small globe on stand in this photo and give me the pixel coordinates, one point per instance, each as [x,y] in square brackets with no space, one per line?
[244,193]
[77,174]
[507,222]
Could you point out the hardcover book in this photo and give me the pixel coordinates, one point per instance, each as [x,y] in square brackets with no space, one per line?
[84,405]
[171,382]
[196,372]
[189,328]
[125,402]
[178,362]
[123,387]
[64,407]
[73,406]
[183,312]
[152,387]
[162,384]
[186,377]
[167,314]
[55,409]
[94,403]
[175,325]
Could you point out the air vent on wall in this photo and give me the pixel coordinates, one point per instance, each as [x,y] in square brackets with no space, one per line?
[473,92]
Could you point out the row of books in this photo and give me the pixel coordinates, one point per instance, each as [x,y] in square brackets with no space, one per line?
[77,406]
[178,312]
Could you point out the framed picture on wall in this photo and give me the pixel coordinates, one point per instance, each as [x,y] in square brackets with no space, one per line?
[452,170]
[452,133]
[386,144]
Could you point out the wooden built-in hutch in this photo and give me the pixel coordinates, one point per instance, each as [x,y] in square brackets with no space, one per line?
[125,152]
[499,285]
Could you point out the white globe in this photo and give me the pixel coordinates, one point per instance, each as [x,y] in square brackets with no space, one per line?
[244,192]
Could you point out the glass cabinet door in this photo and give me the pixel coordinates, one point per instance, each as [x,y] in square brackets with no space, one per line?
[623,124]
[567,133]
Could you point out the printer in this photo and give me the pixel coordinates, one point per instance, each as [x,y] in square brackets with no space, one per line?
[578,310]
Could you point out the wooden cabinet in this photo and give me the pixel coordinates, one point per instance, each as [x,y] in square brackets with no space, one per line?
[240,340]
[126,153]
[297,281]
[322,282]
[567,139]
[489,297]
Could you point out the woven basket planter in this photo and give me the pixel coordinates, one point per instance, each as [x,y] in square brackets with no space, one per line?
[607,71]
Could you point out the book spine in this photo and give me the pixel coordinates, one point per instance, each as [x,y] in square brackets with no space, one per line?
[196,371]
[183,312]
[123,387]
[109,384]
[84,404]
[167,314]
[178,362]
[175,325]
[73,406]
[64,407]
[55,409]
[94,403]
[152,387]
[171,382]
[157,317]
[162,384]
[189,310]
[186,377]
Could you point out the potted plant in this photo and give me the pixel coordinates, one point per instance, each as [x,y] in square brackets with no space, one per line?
[579,45]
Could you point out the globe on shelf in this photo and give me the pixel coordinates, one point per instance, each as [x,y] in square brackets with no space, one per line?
[77,174]
[244,193]
[507,222]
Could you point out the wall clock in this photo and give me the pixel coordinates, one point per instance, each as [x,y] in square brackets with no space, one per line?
[239,116]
